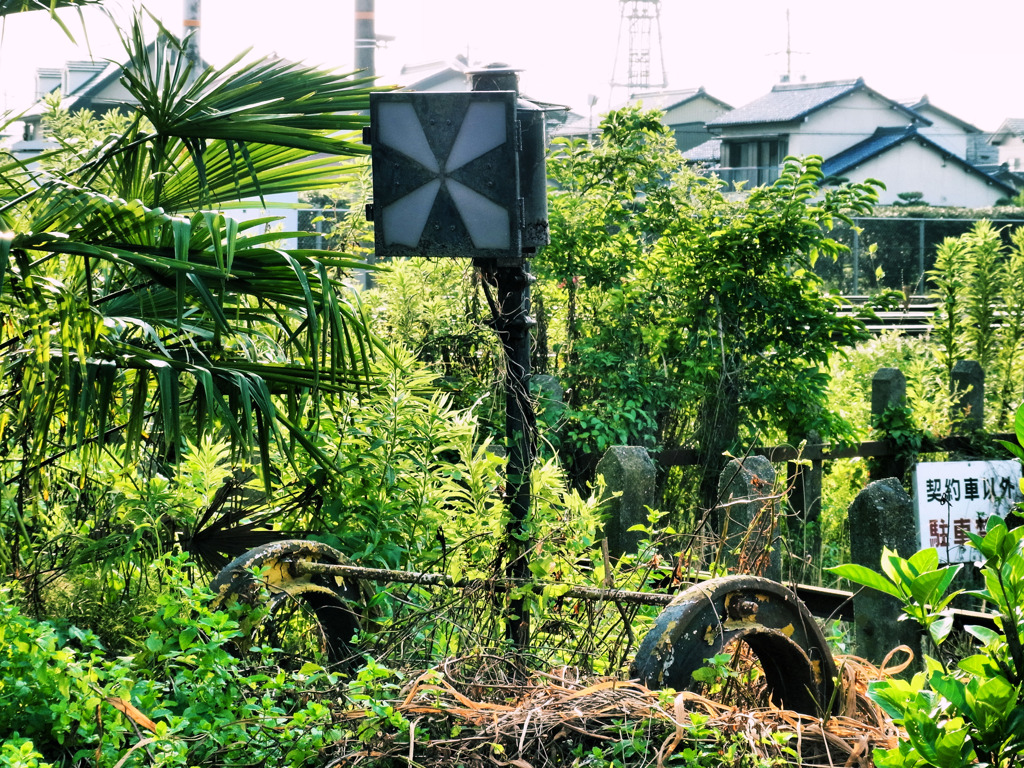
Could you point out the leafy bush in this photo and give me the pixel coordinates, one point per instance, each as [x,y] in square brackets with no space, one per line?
[690,318]
[66,701]
[970,712]
[433,308]
[979,287]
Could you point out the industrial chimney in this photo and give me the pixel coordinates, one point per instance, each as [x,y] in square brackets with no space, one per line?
[366,38]
[190,32]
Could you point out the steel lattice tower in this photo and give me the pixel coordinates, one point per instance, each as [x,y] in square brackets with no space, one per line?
[640,25]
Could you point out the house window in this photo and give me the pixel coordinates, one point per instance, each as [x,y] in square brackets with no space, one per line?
[757,161]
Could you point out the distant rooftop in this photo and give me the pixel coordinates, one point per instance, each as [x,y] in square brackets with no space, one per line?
[885,139]
[787,102]
[666,100]
[709,152]
[1012,126]
[924,103]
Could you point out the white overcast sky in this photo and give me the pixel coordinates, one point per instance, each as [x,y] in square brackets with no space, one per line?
[966,56]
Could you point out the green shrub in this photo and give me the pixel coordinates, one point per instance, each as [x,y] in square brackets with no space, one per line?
[67,701]
[979,289]
[970,712]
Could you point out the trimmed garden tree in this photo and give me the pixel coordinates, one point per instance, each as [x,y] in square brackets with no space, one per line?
[707,325]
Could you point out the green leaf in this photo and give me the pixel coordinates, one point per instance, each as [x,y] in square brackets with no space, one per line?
[924,560]
[1015,450]
[928,588]
[940,628]
[980,665]
[866,577]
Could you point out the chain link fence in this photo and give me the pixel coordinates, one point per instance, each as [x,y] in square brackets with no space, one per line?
[885,252]
[893,252]
[318,220]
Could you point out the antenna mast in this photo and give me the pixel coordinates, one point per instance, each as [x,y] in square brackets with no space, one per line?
[640,23]
[788,77]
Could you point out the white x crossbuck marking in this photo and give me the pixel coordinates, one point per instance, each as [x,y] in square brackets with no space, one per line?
[483,129]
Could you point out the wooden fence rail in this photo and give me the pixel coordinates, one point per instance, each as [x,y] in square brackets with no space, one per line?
[686,457]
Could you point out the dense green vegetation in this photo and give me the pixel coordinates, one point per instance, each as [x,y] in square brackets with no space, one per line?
[179,387]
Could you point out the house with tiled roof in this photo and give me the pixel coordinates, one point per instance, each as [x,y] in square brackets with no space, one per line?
[707,154]
[907,160]
[955,134]
[93,85]
[1009,142]
[687,112]
[860,134]
[454,75]
[801,119]
[437,75]
[83,85]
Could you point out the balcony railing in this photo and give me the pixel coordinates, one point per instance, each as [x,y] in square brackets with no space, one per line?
[749,176]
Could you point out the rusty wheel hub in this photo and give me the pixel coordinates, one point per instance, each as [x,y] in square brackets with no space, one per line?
[798,666]
[328,603]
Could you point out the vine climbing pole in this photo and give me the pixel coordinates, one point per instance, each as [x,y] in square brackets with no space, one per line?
[463,175]
[510,278]
[512,323]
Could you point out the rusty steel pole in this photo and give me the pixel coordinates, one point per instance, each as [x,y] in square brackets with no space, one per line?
[511,279]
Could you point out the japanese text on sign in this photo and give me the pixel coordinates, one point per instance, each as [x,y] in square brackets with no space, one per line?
[954,498]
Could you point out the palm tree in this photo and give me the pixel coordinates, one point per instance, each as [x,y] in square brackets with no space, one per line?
[133,311]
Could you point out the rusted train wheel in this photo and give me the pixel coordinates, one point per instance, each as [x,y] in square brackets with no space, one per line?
[309,616]
[798,667]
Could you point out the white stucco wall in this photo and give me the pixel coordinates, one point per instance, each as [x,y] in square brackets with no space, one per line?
[913,168]
[842,124]
[945,133]
[114,93]
[1011,152]
[698,110]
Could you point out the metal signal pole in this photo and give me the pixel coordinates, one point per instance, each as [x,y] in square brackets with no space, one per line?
[512,322]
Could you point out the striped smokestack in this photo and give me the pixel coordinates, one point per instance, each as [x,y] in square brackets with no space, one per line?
[366,37]
[190,32]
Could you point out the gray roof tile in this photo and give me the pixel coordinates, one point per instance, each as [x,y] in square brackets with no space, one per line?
[666,100]
[883,139]
[709,151]
[1012,126]
[787,102]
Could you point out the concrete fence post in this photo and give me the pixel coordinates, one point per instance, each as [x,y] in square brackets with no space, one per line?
[629,472]
[967,385]
[747,515]
[550,397]
[804,484]
[888,388]
[881,516]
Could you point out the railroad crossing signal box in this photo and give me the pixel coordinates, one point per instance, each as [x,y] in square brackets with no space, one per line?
[446,174]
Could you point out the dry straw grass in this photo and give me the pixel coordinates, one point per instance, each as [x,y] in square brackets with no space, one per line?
[479,714]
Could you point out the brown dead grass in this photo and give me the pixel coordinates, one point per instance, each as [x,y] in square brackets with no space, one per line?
[480,711]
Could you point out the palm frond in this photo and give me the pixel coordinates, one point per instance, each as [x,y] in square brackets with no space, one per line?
[11,7]
[8,7]
[135,316]
[280,104]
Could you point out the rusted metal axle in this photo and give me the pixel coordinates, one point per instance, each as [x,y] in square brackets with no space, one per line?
[822,602]
[697,622]
[483,585]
